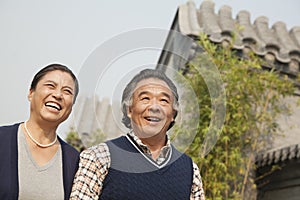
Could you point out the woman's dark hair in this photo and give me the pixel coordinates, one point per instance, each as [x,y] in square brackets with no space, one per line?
[131,86]
[52,67]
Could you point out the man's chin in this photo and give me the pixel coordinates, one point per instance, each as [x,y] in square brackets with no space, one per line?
[149,133]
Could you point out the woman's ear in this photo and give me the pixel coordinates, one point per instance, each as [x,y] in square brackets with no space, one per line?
[30,93]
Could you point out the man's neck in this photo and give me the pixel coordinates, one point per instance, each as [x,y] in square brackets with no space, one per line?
[155,143]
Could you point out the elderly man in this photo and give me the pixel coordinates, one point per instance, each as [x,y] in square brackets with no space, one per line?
[142,164]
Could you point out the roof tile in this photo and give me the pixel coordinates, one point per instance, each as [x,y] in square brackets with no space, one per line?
[263,40]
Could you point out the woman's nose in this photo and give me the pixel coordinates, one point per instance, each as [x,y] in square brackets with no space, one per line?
[57,94]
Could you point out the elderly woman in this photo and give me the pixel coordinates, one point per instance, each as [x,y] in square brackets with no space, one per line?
[35,163]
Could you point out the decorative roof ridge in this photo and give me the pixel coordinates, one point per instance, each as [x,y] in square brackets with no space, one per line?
[192,26]
[275,43]
[275,156]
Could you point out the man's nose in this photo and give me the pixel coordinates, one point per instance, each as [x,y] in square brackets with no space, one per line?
[154,106]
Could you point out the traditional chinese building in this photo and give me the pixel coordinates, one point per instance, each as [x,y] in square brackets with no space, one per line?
[279,47]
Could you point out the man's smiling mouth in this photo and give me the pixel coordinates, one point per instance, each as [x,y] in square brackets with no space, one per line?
[153,119]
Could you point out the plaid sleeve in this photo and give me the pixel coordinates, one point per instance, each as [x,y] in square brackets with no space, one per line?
[93,168]
[197,192]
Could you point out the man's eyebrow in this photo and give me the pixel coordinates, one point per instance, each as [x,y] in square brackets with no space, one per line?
[147,92]
[142,93]
[167,95]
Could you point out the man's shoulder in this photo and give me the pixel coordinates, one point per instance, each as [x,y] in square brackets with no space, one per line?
[100,150]
[116,140]
[97,154]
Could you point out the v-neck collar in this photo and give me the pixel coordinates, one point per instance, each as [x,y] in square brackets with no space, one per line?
[144,150]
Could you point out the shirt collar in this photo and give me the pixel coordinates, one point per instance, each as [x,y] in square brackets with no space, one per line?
[164,152]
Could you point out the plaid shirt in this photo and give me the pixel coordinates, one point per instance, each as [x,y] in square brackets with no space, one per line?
[94,165]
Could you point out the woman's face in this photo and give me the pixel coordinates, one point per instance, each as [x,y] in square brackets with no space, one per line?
[52,99]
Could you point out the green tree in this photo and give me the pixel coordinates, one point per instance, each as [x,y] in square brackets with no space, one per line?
[253,102]
[74,140]
[87,140]
[94,138]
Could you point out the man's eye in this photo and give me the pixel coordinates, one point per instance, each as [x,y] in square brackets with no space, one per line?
[164,100]
[145,99]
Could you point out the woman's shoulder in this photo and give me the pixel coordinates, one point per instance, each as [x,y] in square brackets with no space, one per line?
[4,129]
[67,148]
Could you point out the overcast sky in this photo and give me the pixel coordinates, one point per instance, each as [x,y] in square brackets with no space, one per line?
[35,33]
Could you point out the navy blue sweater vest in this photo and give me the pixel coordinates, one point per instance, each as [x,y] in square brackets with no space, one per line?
[134,176]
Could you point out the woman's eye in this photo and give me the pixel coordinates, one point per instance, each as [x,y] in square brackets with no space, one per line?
[68,92]
[50,85]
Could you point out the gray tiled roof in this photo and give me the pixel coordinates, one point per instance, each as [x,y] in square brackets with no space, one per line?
[276,44]
[277,156]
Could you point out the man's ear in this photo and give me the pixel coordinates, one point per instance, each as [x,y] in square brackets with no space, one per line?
[129,111]
[174,114]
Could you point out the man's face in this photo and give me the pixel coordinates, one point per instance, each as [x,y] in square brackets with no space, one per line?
[52,99]
[151,111]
